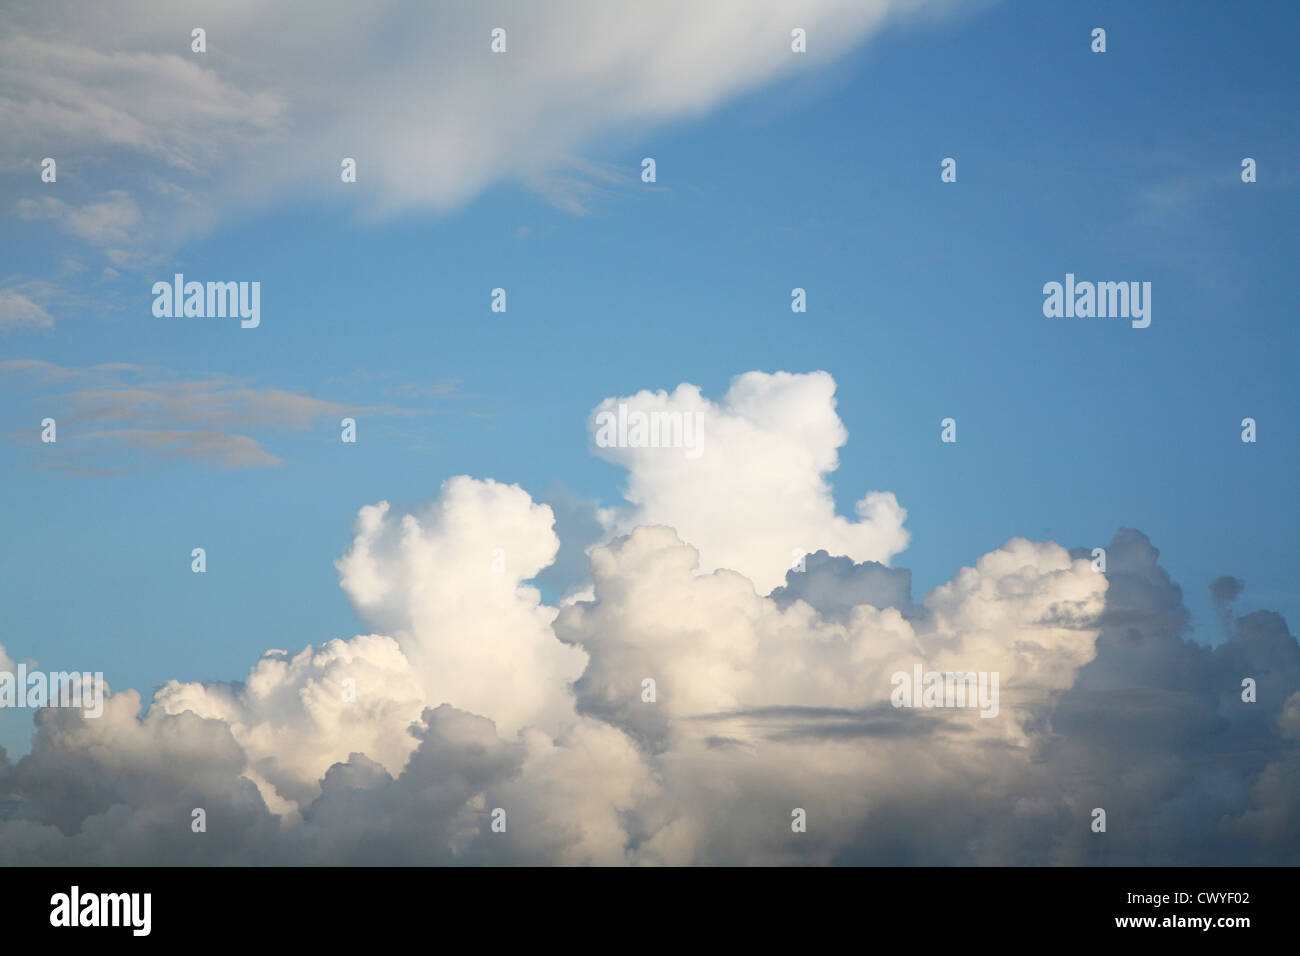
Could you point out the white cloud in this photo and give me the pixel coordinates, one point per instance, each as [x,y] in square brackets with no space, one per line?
[720,654]
[447,582]
[757,491]
[411,91]
[101,81]
[296,717]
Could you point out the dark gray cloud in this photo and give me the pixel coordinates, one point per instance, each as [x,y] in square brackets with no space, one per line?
[1226,589]
[836,585]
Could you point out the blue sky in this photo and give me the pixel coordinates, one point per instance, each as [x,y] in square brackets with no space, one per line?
[924,302]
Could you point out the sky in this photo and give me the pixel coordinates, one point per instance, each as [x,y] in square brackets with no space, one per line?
[774,170]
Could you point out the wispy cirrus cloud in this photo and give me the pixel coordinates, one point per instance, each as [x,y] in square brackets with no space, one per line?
[37,304]
[17,311]
[113,411]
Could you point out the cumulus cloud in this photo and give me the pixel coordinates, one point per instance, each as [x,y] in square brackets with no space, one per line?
[470,698]
[120,788]
[447,583]
[836,585]
[720,654]
[753,494]
[296,715]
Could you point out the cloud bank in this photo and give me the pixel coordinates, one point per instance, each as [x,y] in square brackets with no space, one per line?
[472,698]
